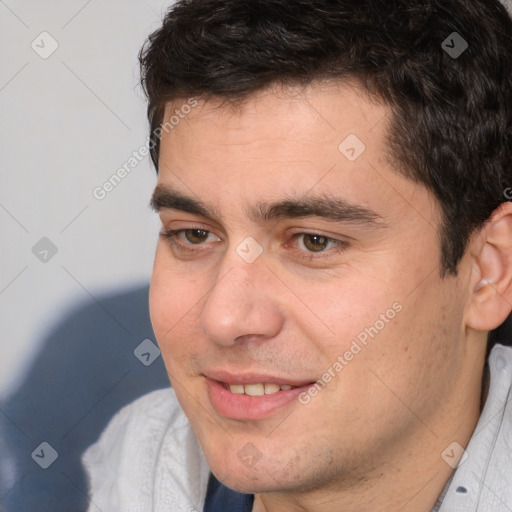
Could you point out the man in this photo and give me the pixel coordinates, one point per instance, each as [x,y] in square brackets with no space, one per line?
[335,251]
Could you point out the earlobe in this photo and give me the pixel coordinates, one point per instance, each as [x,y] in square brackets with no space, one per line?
[491,297]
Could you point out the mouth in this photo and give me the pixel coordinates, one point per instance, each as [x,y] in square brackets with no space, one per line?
[252,397]
[258,389]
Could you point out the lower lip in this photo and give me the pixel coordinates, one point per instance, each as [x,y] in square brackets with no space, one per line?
[245,407]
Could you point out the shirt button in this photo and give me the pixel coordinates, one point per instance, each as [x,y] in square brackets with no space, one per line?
[500,363]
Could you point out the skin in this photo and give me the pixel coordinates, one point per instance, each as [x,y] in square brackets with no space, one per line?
[372,438]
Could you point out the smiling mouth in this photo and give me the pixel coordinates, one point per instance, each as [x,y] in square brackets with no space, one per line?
[247,398]
[269,388]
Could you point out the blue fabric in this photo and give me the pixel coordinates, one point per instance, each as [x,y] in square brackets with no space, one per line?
[220,498]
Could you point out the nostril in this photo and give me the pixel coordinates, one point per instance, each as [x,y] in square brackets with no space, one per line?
[461,489]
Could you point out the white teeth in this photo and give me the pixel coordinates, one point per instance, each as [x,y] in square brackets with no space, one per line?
[237,388]
[254,389]
[270,389]
[258,389]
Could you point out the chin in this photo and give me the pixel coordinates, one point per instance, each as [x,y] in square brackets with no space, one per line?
[249,471]
[249,482]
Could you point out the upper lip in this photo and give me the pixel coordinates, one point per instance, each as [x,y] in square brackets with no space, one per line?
[228,377]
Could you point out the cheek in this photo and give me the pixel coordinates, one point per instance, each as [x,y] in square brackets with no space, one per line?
[162,301]
[172,300]
[343,310]
[401,326]
[423,341]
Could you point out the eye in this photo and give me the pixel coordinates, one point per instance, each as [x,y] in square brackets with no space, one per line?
[315,243]
[311,245]
[196,236]
[184,239]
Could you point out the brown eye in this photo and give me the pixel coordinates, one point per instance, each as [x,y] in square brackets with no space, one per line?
[315,243]
[196,236]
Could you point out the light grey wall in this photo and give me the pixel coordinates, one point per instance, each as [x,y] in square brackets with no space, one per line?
[69,120]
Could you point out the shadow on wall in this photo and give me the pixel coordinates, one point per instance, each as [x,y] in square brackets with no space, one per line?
[99,358]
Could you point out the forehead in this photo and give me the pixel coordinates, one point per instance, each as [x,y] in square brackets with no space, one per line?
[330,139]
[275,130]
[304,114]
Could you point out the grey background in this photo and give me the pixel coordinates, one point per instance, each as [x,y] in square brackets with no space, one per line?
[74,326]
[68,123]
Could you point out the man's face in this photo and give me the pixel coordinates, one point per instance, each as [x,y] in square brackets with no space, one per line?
[259,290]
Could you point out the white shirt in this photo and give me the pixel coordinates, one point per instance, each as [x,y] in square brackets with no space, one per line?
[148,458]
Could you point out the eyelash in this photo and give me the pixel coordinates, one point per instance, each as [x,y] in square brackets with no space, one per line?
[171,237]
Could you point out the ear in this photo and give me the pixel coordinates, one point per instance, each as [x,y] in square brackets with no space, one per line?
[491,281]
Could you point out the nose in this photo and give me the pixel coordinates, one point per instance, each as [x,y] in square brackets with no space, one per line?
[243,303]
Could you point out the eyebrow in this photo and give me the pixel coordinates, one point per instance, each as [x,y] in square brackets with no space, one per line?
[323,206]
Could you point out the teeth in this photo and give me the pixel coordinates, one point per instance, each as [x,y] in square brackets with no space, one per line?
[270,389]
[237,388]
[258,389]
[254,389]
